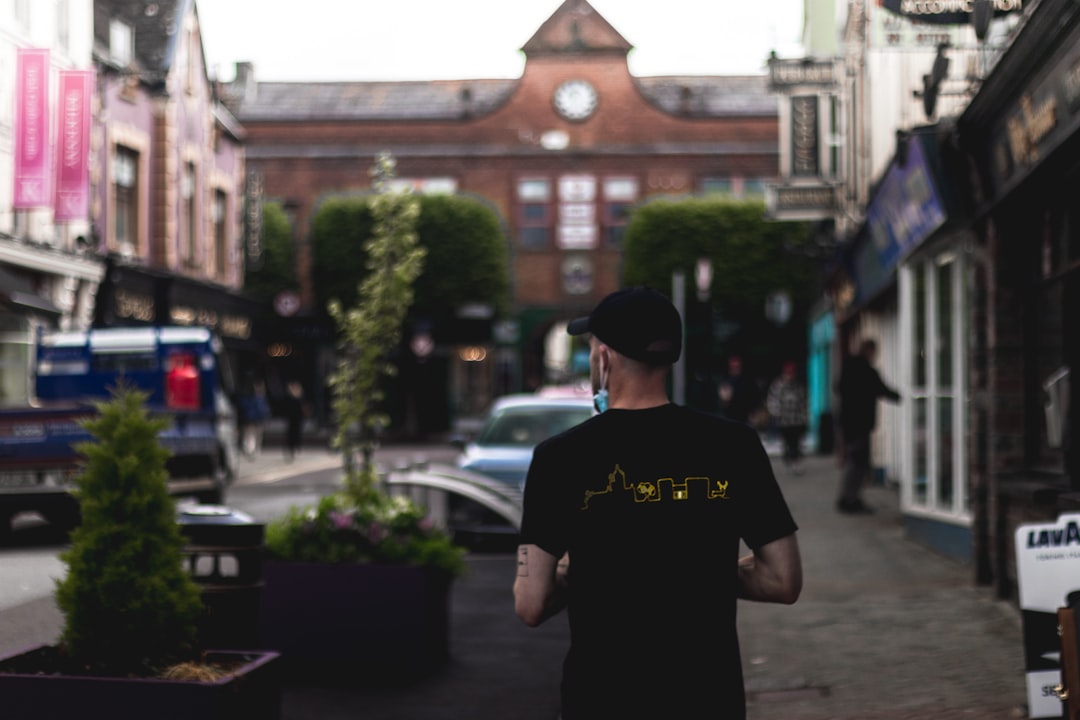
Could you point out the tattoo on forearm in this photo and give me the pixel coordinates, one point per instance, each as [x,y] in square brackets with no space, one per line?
[523,561]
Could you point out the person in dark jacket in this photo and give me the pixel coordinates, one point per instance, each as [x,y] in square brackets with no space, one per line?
[294,418]
[739,394]
[860,386]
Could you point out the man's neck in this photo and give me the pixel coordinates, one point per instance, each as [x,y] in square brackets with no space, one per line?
[637,396]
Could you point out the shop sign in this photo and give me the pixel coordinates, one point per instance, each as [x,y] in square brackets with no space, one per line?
[801,202]
[1047,571]
[906,209]
[804,136]
[1039,119]
[945,12]
[577,237]
[31,142]
[237,327]
[133,306]
[800,72]
[72,191]
[577,188]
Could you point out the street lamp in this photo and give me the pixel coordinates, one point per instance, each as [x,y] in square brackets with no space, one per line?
[678,375]
[703,273]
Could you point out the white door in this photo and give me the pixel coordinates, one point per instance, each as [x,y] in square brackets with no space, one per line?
[933,309]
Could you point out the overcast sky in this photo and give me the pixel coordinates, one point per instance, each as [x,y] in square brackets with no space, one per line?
[474,39]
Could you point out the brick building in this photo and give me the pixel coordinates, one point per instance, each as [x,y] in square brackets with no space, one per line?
[562,153]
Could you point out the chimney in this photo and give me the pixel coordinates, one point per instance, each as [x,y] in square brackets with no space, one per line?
[245,81]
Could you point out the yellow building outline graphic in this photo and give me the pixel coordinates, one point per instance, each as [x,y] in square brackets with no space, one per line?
[652,491]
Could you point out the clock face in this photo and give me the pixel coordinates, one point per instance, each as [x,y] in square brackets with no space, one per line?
[575,99]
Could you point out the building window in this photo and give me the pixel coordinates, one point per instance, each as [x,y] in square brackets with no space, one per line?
[620,196]
[125,174]
[718,186]
[221,255]
[121,42]
[753,188]
[534,215]
[193,57]
[187,197]
[22,13]
[63,27]
[735,187]
[15,354]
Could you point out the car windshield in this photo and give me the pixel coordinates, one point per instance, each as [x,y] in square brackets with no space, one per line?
[527,426]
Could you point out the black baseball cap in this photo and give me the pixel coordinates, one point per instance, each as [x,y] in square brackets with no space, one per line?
[639,322]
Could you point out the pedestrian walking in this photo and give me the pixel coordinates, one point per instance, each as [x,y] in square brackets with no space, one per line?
[860,386]
[294,418]
[786,404]
[739,395]
[633,522]
[253,411]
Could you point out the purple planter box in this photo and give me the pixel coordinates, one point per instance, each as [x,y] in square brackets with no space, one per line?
[252,691]
[378,623]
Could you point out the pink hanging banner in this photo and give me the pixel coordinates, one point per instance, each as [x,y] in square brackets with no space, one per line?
[73,145]
[32,180]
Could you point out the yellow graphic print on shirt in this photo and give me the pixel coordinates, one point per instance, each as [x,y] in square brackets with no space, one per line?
[650,491]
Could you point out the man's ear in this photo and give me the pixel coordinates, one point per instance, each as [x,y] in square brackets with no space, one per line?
[603,355]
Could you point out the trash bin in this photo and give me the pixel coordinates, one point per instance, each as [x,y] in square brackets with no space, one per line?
[224,554]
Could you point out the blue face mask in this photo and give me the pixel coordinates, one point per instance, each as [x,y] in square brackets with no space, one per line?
[600,397]
[600,400]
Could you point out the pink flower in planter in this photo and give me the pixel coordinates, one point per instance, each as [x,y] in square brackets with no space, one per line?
[377,533]
[341,520]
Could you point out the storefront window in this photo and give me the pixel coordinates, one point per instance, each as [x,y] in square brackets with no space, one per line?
[918,319]
[919,430]
[943,346]
[932,313]
[945,454]
[14,361]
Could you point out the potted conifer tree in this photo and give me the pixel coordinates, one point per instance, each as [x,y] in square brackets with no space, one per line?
[358,585]
[129,644]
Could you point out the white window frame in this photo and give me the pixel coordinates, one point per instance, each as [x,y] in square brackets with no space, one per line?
[121,42]
[958,510]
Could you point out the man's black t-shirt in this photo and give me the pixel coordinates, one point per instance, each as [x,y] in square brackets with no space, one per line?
[652,505]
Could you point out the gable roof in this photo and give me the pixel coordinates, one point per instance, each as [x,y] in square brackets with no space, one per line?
[576,28]
[573,30]
[696,96]
[413,100]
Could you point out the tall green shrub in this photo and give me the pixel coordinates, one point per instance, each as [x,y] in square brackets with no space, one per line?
[371,329]
[129,606]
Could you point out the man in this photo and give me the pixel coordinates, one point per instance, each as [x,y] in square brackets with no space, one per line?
[859,387]
[740,396]
[633,522]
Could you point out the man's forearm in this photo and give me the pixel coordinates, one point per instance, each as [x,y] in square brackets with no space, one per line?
[772,574]
[540,586]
